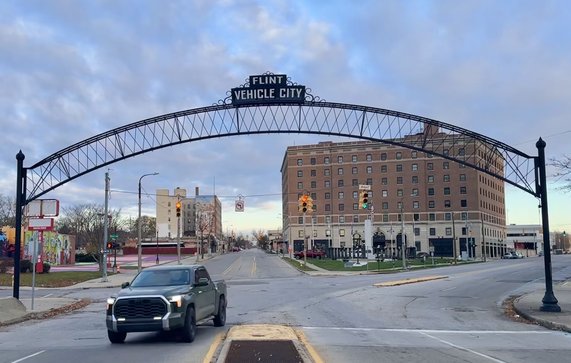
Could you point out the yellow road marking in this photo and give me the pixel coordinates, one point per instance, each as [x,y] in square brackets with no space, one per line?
[210,354]
[310,350]
[408,281]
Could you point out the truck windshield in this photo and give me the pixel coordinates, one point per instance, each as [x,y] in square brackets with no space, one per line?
[162,278]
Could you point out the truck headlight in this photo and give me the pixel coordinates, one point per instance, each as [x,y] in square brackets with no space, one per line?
[110,302]
[177,299]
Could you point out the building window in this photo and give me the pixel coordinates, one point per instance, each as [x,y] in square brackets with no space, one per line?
[384,156]
[429,166]
[399,179]
[384,181]
[341,207]
[399,217]
[462,177]
[300,234]
[355,206]
[340,195]
[463,190]
[299,185]
[385,217]
[463,203]
[448,231]
[328,207]
[447,203]
[369,157]
[431,216]
[340,183]
[431,204]
[313,184]
[446,165]
[461,151]
[314,196]
[327,184]
[464,216]
[369,169]
[313,172]
[355,182]
[446,178]
[313,161]
[299,173]
[398,155]
[447,191]
[415,179]
[354,170]
[413,154]
[399,205]
[340,159]
[327,233]
[314,233]
[431,178]
[355,195]
[354,158]
[326,160]
[432,231]
[399,167]
[327,195]
[385,205]
[369,181]
[340,171]
[326,172]
[414,167]
[448,216]
[356,218]
[416,231]
[415,205]
[341,232]
[430,191]
[300,220]
[383,168]
[400,192]
[385,193]
[299,162]
[341,219]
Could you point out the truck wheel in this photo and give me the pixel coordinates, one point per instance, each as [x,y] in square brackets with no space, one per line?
[220,318]
[116,338]
[189,331]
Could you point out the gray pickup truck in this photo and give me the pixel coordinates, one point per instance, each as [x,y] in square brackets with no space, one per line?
[166,298]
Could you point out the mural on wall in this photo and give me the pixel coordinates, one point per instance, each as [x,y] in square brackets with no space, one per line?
[54,248]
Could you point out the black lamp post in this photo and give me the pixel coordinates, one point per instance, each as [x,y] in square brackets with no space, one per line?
[357,244]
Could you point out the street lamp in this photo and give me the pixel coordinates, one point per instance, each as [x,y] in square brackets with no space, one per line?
[357,243]
[139,247]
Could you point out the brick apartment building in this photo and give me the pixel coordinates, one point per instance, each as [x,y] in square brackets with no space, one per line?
[440,201]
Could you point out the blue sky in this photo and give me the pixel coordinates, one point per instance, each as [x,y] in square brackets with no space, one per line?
[74,69]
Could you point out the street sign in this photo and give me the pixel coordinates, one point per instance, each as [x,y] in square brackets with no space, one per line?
[364,187]
[40,224]
[114,236]
[239,206]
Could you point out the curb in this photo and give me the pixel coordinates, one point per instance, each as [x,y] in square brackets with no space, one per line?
[409,281]
[545,323]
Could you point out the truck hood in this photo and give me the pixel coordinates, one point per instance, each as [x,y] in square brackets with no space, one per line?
[153,290]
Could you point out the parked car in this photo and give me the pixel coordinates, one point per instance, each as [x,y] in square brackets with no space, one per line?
[512,256]
[310,254]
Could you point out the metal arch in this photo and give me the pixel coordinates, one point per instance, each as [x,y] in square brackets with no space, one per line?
[314,116]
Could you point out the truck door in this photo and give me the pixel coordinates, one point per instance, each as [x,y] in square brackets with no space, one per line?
[205,296]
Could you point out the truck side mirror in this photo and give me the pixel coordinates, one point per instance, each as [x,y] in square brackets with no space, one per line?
[203,281]
[124,285]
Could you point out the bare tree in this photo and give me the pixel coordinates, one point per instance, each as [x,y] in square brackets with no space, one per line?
[7,211]
[262,238]
[563,167]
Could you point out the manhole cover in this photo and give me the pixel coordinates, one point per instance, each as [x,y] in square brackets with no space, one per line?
[256,351]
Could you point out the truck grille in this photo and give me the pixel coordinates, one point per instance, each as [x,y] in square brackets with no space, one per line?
[140,308]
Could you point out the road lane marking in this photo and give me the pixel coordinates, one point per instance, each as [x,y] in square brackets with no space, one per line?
[432,331]
[253,271]
[210,354]
[29,356]
[232,265]
[463,348]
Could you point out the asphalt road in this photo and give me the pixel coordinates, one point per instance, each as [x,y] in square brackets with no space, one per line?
[345,318]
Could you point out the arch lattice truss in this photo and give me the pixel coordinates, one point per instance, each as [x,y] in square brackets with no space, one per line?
[313,116]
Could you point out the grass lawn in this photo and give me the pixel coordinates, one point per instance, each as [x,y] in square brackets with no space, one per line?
[387,266]
[52,279]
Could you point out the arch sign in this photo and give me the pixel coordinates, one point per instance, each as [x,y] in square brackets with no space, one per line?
[273,103]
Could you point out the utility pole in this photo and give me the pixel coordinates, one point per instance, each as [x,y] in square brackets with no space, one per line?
[403,238]
[105,227]
[454,240]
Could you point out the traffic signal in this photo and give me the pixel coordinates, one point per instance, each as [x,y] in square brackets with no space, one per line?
[302,203]
[178,205]
[309,204]
[109,245]
[364,199]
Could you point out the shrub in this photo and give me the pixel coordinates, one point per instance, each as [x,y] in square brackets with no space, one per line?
[25,266]
[47,267]
[5,264]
